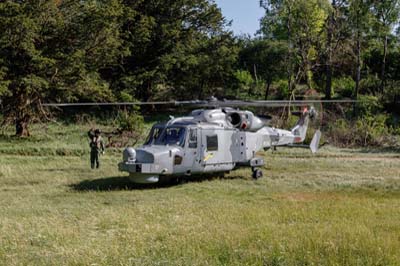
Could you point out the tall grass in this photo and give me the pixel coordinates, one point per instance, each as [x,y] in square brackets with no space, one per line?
[340,207]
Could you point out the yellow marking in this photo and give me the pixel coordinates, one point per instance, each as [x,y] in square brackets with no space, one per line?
[209,156]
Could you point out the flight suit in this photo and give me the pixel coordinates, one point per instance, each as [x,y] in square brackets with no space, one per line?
[96,147]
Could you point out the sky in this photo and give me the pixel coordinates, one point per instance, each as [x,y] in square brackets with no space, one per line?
[245,14]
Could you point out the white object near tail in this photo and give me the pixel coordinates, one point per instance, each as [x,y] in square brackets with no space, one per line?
[315,141]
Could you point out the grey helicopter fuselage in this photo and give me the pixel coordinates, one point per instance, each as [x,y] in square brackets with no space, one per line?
[216,140]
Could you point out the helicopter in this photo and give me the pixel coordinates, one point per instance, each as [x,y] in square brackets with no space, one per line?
[215,140]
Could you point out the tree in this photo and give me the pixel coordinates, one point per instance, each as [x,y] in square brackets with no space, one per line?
[386,14]
[359,21]
[337,36]
[301,24]
[267,57]
[277,25]
[178,46]
[87,46]
[54,51]
[25,69]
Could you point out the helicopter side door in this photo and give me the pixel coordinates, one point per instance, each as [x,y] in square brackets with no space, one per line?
[215,150]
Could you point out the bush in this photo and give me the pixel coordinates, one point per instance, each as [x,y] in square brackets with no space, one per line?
[282,89]
[130,129]
[370,84]
[130,121]
[368,105]
[343,86]
[363,132]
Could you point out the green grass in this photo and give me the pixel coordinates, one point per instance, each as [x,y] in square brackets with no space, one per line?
[340,207]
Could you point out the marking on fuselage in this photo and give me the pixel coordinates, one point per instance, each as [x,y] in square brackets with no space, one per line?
[209,156]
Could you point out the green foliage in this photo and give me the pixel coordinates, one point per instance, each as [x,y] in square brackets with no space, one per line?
[366,131]
[265,57]
[301,24]
[394,123]
[369,106]
[344,86]
[245,80]
[126,96]
[386,14]
[181,46]
[282,90]
[84,51]
[130,121]
[370,84]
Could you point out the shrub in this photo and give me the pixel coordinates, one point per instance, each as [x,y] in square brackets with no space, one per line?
[368,105]
[363,132]
[282,89]
[130,126]
[343,86]
[370,84]
[130,121]
[244,79]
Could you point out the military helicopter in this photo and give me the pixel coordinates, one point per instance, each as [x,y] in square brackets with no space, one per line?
[215,140]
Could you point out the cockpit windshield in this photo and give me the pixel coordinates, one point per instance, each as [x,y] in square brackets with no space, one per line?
[155,133]
[166,136]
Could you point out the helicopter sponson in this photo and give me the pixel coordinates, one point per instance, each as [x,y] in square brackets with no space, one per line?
[206,141]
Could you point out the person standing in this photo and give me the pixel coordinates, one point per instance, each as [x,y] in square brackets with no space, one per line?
[96,147]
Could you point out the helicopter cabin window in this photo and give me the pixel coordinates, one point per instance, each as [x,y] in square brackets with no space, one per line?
[212,143]
[193,138]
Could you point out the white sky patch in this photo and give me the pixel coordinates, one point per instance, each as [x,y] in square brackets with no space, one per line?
[245,15]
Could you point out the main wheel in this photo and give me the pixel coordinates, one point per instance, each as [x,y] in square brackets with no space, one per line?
[257,173]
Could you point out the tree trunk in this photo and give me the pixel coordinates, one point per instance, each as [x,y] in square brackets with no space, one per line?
[289,56]
[358,73]
[200,95]
[308,74]
[21,127]
[328,69]
[328,85]
[383,70]
[267,89]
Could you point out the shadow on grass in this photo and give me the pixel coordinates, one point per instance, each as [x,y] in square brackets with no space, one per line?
[124,183]
[111,184]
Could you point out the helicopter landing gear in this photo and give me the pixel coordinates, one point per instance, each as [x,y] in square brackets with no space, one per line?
[257,173]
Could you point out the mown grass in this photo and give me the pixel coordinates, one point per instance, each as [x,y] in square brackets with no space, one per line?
[340,207]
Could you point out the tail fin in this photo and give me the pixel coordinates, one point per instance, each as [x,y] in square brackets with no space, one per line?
[300,130]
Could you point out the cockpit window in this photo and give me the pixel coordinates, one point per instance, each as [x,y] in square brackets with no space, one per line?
[171,136]
[154,134]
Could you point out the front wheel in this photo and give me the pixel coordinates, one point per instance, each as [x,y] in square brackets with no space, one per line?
[257,173]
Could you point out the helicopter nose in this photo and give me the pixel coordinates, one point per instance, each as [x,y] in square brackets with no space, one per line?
[129,155]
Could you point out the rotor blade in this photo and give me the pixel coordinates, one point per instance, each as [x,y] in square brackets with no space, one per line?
[273,103]
[194,102]
[225,103]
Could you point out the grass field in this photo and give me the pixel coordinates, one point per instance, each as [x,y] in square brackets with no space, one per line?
[340,207]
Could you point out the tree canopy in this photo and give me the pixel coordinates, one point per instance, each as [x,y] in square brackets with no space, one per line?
[97,50]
